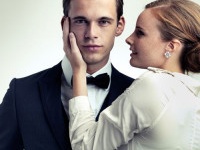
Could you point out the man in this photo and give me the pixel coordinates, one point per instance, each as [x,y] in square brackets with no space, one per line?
[33,114]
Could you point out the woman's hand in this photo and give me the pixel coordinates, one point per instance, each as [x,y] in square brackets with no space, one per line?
[71,49]
[78,64]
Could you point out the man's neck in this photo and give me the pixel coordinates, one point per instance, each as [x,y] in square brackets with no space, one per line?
[91,69]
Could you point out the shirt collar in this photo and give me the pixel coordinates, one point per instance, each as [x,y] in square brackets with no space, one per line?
[67,70]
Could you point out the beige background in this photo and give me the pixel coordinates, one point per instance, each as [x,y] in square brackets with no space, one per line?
[31,38]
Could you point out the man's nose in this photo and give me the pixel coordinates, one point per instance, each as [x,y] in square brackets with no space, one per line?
[91,31]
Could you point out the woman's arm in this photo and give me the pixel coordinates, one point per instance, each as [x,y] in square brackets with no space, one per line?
[78,65]
[135,112]
[115,126]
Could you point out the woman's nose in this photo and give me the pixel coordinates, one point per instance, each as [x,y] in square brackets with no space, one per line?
[129,40]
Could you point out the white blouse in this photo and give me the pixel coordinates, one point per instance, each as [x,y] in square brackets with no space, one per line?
[159,111]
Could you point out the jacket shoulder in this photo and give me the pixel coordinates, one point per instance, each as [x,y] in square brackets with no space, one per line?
[52,72]
[121,78]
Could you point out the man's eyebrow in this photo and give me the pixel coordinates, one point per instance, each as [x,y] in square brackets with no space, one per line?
[106,18]
[79,17]
[84,18]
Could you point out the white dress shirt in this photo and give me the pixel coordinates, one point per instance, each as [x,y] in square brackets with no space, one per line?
[96,95]
[159,111]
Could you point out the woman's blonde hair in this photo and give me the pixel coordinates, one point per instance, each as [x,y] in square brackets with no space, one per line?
[180,19]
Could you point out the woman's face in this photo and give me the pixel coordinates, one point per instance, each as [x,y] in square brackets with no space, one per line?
[146,43]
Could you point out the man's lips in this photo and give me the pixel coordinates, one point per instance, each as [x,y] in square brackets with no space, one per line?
[92,47]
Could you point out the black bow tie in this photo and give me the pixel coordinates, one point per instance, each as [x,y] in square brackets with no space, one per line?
[101,80]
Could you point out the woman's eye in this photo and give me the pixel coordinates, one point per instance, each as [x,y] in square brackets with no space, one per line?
[139,33]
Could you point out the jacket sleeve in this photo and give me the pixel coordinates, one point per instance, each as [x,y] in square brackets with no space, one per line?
[9,131]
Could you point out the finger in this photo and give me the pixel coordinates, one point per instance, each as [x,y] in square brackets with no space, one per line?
[66,26]
[66,46]
[73,43]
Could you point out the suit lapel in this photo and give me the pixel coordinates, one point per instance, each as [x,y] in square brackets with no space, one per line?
[119,82]
[50,88]
[114,92]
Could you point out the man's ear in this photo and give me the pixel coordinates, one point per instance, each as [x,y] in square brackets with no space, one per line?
[62,21]
[120,26]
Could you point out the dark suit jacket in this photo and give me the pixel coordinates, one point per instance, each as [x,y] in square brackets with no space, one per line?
[32,115]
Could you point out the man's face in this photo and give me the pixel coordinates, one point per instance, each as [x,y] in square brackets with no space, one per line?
[94,23]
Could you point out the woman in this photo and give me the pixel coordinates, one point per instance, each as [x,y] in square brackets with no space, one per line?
[161,109]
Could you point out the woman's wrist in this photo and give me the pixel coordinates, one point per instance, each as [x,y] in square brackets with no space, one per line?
[79,82]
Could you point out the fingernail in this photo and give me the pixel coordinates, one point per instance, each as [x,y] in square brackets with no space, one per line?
[71,34]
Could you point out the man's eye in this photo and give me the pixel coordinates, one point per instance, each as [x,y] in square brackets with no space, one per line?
[80,21]
[104,22]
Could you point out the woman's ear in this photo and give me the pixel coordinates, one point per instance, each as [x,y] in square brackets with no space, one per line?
[174,45]
[120,26]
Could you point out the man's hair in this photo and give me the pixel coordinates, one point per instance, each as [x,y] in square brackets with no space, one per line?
[119,7]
